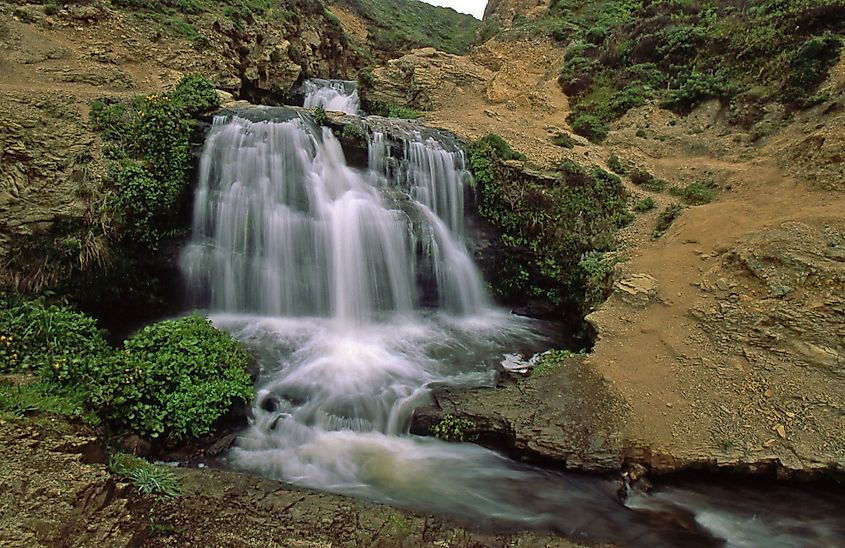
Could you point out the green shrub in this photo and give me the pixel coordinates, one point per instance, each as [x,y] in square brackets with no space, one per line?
[546,222]
[666,218]
[51,7]
[35,336]
[151,139]
[692,88]
[697,193]
[355,133]
[320,116]
[195,94]
[392,110]
[175,379]
[615,165]
[589,126]
[564,140]
[640,176]
[141,201]
[451,428]
[646,204]
[597,268]
[811,63]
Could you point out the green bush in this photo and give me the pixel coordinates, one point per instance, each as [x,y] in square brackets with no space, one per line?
[597,268]
[175,379]
[392,110]
[811,63]
[195,94]
[551,359]
[615,165]
[640,176]
[697,193]
[666,218]
[51,7]
[589,126]
[564,140]
[355,133]
[646,204]
[35,336]
[547,222]
[320,116]
[17,401]
[151,139]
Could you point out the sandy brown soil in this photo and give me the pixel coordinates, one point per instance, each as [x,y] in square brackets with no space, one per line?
[724,341]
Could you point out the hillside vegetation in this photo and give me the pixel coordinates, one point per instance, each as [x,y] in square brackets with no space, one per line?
[396,26]
[623,54]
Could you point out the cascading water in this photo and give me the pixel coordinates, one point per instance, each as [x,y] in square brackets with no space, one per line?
[337,95]
[355,292]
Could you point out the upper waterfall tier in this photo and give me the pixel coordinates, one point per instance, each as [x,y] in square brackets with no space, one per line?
[282,226]
[337,95]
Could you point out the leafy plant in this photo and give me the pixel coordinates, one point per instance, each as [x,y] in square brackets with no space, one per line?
[589,126]
[615,165]
[175,379]
[451,428]
[35,336]
[148,478]
[150,140]
[564,140]
[597,268]
[646,204]
[17,400]
[666,218]
[623,54]
[320,116]
[697,193]
[546,222]
[392,110]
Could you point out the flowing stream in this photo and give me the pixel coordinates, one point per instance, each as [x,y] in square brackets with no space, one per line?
[356,292]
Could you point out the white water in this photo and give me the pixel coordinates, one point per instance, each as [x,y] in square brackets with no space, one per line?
[356,294]
[337,95]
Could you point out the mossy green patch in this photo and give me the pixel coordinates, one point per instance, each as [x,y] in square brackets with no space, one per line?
[549,223]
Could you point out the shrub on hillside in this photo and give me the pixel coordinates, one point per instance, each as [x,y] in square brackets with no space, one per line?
[172,379]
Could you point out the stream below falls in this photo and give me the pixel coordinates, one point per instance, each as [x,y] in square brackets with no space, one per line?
[355,291]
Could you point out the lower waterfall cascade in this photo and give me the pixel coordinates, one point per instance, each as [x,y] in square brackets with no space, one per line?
[355,291]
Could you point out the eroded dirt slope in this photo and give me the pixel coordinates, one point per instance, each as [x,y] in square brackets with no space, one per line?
[724,340]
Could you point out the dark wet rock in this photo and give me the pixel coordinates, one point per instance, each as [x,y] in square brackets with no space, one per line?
[567,416]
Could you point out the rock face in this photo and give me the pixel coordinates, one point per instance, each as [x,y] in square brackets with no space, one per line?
[503,12]
[425,79]
[567,416]
[48,166]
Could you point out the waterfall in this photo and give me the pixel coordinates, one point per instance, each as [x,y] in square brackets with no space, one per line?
[337,95]
[283,227]
[355,292]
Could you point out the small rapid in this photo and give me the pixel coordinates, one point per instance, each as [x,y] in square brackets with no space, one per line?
[336,95]
[355,291]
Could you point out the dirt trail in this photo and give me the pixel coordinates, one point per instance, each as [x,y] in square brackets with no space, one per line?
[723,340]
